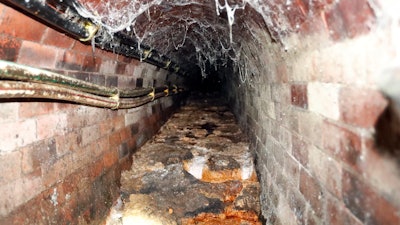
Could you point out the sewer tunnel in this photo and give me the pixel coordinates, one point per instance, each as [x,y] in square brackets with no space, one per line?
[291,111]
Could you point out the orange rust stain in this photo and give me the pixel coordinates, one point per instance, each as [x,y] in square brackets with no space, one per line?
[227,218]
[221,176]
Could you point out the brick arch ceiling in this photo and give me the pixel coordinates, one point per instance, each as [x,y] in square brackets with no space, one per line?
[197,34]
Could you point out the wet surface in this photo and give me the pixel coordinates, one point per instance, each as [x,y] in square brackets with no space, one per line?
[196,170]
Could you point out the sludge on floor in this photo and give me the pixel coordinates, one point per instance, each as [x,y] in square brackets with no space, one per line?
[196,170]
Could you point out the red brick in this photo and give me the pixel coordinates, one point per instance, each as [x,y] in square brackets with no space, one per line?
[115,140]
[96,168]
[296,14]
[37,55]
[57,39]
[106,54]
[299,95]
[312,192]
[68,143]
[71,60]
[106,128]
[366,204]
[82,47]
[361,107]
[40,108]
[341,143]
[110,158]
[334,23]
[18,25]
[91,64]
[102,145]
[9,48]
[357,15]
[35,155]
[125,134]
[57,171]
[316,5]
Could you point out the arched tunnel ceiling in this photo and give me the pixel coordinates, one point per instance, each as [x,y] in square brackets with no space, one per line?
[200,35]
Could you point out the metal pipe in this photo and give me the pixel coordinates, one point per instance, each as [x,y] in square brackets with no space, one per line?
[63,15]
[13,71]
[26,82]
[17,89]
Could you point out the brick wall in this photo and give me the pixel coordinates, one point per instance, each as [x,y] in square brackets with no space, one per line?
[323,132]
[61,162]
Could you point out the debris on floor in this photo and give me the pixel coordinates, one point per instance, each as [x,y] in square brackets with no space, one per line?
[196,170]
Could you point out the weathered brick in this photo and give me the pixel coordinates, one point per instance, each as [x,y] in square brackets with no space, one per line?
[126,82]
[365,203]
[299,95]
[120,68]
[30,51]
[297,205]
[300,150]
[57,39]
[108,67]
[17,134]
[323,98]
[41,108]
[68,143]
[115,140]
[310,127]
[110,158]
[10,166]
[82,47]
[341,143]
[18,192]
[98,79]
[292,170]
[130,70]
[9,48]
[90,134]
[91,63]
[334,23]
[357,15]
[57,171]
[111,81]
[70,60]
[338,214]
[9,112]
[37,154]
[361,107]
[50,125]
[326,170]
[15,23]
[312,192]
[281,93]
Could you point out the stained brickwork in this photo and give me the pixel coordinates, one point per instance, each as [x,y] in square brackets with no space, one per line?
[313,114]
[62,162]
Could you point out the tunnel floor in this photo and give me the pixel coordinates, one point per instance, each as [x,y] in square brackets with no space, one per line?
[197,170]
